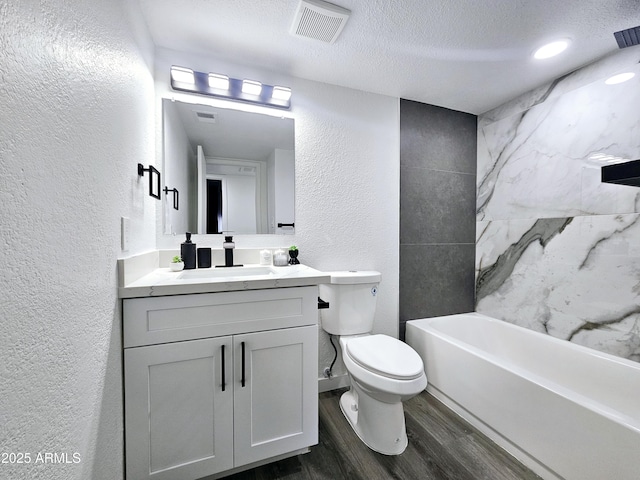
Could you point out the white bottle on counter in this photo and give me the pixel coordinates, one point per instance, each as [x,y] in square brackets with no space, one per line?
[265,257]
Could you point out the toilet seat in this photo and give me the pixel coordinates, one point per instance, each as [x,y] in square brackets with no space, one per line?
[379,385]
[385,356]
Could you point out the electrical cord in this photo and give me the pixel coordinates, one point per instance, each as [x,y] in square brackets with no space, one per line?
[335,357]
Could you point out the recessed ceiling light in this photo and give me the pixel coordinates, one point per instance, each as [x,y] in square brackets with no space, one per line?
[619,78]
[551,49]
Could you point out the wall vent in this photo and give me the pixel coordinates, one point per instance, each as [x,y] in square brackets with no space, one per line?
[319,20]
[628,37]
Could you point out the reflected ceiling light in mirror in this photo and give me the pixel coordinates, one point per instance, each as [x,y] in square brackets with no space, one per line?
[182,75]
[222,86]
[219,82]
[551,49]
[619,78]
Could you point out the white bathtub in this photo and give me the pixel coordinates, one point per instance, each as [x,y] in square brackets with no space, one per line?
[564,410]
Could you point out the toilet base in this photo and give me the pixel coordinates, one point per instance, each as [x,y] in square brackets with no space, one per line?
[379,425]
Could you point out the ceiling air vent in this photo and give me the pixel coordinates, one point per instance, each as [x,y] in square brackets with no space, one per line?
[206,117]
[628,37]
[319,20]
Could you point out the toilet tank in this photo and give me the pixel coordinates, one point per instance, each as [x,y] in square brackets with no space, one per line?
[352,302]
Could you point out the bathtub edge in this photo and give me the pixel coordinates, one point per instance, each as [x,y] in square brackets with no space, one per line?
[501,441]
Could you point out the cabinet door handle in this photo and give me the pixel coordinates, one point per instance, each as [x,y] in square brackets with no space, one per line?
[242,381]
[224,381]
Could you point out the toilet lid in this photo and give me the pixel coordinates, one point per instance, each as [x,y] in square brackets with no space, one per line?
[385,356]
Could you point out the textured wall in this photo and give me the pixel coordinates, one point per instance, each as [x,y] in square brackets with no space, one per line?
[557,250]
[76,96]
[437,201]
[347,181]
[176,146]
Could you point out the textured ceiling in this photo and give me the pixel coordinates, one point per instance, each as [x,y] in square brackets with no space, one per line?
[468,55]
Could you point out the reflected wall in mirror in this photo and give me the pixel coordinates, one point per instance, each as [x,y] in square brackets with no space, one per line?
[236,169]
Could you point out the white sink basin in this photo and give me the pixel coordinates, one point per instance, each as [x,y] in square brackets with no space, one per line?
[230,272]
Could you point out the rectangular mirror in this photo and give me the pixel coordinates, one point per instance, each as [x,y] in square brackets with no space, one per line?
[235,170]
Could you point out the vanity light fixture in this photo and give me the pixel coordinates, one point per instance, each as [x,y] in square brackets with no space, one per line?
[154,187]
[551,49]
[176,196]
[619,78]
[182,75]
[251,87]
[281,93]
[217,81]
[219,85]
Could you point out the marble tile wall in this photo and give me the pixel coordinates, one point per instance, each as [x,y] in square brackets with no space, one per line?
[558,251]
[437,201]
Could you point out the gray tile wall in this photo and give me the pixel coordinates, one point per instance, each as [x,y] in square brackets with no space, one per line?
[437,211]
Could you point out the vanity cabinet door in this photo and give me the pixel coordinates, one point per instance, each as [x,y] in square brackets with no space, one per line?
[178,418]
[276,392]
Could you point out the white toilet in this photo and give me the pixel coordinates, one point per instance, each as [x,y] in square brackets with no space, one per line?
[383,370]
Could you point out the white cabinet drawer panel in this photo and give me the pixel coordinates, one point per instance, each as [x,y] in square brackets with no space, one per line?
[157,320]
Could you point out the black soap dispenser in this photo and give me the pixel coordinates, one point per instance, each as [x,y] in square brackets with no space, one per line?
[188,253]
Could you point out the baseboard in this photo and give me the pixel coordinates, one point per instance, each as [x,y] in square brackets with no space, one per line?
[333,383]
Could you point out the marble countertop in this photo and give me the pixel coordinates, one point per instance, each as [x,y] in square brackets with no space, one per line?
[162,281]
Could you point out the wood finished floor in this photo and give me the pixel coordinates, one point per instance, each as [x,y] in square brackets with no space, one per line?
[442,446]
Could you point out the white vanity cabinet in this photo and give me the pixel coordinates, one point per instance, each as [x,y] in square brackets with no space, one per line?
[217,381]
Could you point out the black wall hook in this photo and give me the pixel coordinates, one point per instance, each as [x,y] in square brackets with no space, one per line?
[154,192]
[176,196]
